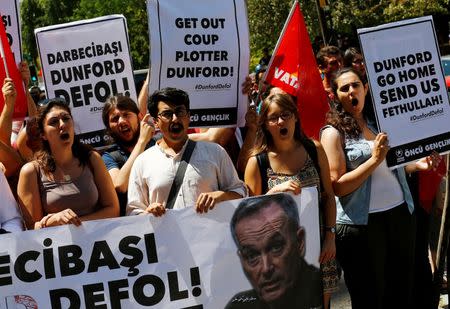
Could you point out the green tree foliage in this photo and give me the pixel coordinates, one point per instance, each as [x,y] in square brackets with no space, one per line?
[135,12]
[58,12]
[31,16]
[415,8]
[266,20]
[39,13]
[347,16]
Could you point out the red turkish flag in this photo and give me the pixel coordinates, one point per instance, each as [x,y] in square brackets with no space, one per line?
[293,68]
[20,107]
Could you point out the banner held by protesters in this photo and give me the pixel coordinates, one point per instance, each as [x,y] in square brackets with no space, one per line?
[408,88]
[182,259]
[85,62]
[293,68]
[201,47]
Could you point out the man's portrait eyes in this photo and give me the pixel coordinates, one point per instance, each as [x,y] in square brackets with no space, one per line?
[277,247]
[274,248]
[250,256]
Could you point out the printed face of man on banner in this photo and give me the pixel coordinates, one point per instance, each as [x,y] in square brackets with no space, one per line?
[271,248]
[270,245]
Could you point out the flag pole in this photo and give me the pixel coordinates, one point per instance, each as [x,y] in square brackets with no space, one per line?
[280,38]
[322,24]
[2,54]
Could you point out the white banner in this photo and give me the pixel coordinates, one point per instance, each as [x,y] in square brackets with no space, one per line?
[182,260]
[9,10]
[408,88]
[201,47]
[85,62]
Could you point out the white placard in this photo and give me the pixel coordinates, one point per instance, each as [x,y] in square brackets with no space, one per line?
[408,88]
[85,62]
[9,10]
[201,47]
[181,260]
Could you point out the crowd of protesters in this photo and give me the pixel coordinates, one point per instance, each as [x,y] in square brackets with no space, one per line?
[367,211]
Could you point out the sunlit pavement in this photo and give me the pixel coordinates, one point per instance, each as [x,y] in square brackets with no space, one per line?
[443,303]
[341,299]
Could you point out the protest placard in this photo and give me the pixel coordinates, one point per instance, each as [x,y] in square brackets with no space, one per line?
[85,62]
[9,11]
[181,260]
[201,47]
[408,88]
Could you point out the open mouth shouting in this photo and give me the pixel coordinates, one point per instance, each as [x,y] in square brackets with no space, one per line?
[176,128]
[354,102]
[284,131]
[125,132]
[64,136]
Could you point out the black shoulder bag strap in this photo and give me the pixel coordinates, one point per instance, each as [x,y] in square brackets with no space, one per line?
[117,156]
[263,165]
[179,176]
[311,149]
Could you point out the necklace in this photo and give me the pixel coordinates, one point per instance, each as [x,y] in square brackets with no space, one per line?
[65,176]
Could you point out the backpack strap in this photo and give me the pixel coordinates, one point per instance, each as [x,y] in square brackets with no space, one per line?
[311,149]
[179,176]
[118,157]
[263,165]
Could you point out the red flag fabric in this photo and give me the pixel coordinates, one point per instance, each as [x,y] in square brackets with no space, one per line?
[20,107]
[293,68]
[429,182]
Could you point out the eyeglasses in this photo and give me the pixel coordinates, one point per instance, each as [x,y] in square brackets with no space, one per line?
[286,115]
[346,87]
[168,113]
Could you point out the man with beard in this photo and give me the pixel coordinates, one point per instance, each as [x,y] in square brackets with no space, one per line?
[271,247]
[132,133]
[209,175]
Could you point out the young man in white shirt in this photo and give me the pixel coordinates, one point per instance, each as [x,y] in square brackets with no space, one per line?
[210,176]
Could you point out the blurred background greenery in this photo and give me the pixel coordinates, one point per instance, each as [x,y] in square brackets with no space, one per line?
[266,18]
